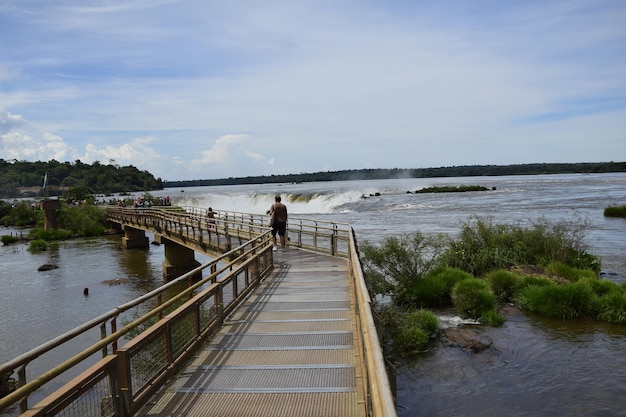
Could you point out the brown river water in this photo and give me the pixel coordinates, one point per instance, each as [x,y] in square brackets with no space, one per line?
[534,367]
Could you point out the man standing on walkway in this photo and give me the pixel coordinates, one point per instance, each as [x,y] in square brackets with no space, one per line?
[278,214]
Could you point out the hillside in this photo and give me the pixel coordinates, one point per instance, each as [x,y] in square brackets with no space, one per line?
[26,179]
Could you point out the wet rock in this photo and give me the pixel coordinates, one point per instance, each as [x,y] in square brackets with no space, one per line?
[467,339]
[7,384]
[47,267]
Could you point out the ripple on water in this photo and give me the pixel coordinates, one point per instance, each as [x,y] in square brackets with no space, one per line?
[535,367]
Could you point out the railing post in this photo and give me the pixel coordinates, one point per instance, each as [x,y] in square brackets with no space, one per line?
[103,334]
[124,383]
[21,377]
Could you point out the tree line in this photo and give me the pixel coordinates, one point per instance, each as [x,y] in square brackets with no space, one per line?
[27,179]
[381,174]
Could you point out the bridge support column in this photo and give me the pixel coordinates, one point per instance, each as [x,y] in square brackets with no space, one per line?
[179,260]
[134,238]
[50,208]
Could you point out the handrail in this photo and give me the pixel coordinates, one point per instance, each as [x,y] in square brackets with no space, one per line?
[337,239]
[22,361]
[381,397]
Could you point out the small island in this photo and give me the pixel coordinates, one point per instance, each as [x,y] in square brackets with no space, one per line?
[616,211]
[452,189]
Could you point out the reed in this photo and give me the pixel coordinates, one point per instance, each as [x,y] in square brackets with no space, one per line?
[503,283]
[37,245]
[473,297]
[561,301]
[415,331]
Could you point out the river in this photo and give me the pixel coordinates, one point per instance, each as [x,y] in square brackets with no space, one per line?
[535,366]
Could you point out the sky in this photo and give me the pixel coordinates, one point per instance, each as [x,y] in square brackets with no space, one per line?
[203,89]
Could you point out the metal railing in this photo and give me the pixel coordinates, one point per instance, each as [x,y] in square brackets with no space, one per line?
[114,383]
[192,224]
[126,377]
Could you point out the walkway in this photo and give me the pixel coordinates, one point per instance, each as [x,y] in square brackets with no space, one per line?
[290,350]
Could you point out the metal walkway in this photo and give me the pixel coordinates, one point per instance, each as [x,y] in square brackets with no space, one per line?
[289,350]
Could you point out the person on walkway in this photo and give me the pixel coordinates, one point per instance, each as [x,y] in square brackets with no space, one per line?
[211,216]
[278,216]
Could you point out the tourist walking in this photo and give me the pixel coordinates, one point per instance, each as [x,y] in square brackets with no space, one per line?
[278,221]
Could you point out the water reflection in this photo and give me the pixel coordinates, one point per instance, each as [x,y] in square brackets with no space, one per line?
[535,367]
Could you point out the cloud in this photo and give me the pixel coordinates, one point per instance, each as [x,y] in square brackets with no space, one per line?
[9,122]
[138,152]
[315,85]
[17,144]
[227,153]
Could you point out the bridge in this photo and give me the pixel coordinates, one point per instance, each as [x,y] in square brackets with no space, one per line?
[253,332]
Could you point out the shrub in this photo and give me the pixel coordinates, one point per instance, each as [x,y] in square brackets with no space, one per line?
[415,331]
[492,318]
[51,234]
[601,287]
[616,211]
[398,262]
[8,239]
[482,246]
[565,301]
[533,280]
[569,272]
[612,307]
[83,220]
[23,214]
[434,290]
[38,245]
[503,283]
[425,292]
[472,297]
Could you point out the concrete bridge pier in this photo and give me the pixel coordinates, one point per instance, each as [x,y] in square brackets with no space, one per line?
[134,238]
[179,260]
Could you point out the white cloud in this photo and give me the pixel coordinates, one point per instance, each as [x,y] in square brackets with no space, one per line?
[138,153]
[9,121]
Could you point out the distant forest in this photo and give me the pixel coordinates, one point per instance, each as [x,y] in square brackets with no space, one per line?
[26,179]
[380,174]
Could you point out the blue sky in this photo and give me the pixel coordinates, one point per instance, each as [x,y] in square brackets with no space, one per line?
[197,89]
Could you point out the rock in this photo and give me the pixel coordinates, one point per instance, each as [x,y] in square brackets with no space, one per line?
[47,267]
[467,339]
[7,384]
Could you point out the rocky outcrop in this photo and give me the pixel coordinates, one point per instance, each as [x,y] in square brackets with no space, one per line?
[467,339]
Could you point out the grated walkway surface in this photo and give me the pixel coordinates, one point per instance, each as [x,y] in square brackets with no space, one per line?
[290,350]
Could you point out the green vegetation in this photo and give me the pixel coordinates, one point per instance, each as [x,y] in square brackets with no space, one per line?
[452,189]
[72,221]
[503,283]
[617,211]
[415,330]
[544,269]
[483,247]
[75,221]
[22,214]
[38,245]
[8,239]
[472,297]
[564,301]
[26,179]
[83,220]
